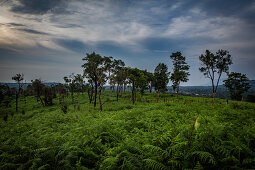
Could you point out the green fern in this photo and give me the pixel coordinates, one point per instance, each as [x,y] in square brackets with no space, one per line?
[205,157]
[152,164]
[198,166]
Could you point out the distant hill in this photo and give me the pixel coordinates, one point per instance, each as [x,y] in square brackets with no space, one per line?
[24,85]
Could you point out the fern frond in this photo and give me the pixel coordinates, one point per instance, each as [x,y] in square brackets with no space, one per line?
[152,164]
[198,166]
[154,149]
[204,157]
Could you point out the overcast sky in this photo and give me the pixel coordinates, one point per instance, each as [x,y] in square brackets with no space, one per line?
[47,39]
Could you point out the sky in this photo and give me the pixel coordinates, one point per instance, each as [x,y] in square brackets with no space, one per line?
[47,39]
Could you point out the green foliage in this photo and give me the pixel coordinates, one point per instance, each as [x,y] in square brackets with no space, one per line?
[180,70]
[214,65]
[161,77]
[237,84]
[147,135]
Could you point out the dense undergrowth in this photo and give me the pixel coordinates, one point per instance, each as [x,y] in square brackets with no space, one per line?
[191,134]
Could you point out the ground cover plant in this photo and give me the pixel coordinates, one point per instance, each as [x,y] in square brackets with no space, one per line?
[154,133]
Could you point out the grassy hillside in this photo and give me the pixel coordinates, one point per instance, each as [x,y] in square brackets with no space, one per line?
[165,134]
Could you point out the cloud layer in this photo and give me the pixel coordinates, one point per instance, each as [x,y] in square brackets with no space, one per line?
[40,38]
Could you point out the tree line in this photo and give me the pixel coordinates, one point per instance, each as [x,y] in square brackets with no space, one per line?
[98,70]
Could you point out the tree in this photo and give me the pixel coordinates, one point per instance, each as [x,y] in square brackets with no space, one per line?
[48,94]
[143,81]
[18,78]
[213,65]
[79,82]
[118,74]
[133,76]
[161,78]
[180,71]
[71,82]
[37,87]
[150,80]
[237,84]
[62,92]
[91,65]
[101,81]
[108,66]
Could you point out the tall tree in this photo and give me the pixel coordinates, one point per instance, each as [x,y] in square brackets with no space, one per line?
[133,76]
[119,74]
[237,84]
[80,83]
[91,65]
[37,87]
[75,83]
[150,80]
[102,78]
[180,71]
[161,79]
[214,65]
[143,81]
[18,78]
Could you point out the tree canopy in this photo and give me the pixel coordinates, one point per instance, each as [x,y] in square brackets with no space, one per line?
[180,70]
[214,65]
[237,84]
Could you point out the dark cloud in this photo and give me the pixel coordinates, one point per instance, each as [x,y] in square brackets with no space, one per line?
[32,31]
[73,45]
[12,24]
[68,26]
[16,24]
[39,6]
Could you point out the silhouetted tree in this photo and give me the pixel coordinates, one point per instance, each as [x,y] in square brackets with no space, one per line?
[19,79]
[180,71]
[37,87]
[48,95]
[213,65]
[161,78]
[237,84]
[71,83]
[62,92]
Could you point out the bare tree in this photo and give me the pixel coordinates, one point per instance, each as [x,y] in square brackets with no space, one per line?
[19,79]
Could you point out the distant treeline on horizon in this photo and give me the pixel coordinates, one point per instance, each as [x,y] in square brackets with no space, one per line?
[202,91]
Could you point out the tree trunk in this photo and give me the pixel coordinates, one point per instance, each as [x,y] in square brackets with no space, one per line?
[121,90]
[99,97]
[133,92]
[95,100]
[213,91]
[117,92]
[150,88]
